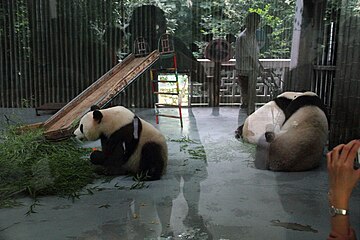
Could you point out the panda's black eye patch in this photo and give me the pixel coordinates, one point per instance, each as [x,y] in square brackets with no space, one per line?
[81,128]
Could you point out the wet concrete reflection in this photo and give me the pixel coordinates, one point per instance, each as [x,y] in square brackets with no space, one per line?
[215,188]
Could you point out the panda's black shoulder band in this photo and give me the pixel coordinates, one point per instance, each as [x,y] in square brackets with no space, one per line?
[282,102]
[130,143]
[127,137]
[303,101]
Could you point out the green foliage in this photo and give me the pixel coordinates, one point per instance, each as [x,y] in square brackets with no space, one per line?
[192,20]
[27,103]
[279,17]
[32,207]
[193,148]
[188,20]
[22,20]
[18,12]
[34,166]
[99,14]
[140,179]
[197,153]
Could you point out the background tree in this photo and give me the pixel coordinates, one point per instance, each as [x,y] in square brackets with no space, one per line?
[192,21]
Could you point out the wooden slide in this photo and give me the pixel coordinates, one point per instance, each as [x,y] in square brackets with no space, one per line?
[62,123]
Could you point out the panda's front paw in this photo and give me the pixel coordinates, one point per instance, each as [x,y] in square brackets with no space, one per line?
[97,157]
[269,136]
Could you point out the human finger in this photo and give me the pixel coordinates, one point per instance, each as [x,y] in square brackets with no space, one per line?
[344,154]
[354,146]
[329,160]
[335,154]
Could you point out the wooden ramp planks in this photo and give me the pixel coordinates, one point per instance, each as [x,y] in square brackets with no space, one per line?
[62,123]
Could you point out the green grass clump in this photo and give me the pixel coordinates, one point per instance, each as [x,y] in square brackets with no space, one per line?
[194,148]
[32,165]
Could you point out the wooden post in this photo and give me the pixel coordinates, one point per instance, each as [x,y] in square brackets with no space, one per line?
[304,44]
[215,52]
[215,100]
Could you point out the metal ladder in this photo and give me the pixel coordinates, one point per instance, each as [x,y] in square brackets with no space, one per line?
[167,52]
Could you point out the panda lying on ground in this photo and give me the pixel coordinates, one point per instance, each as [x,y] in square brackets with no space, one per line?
[271,115]
[129,144]
[298,143]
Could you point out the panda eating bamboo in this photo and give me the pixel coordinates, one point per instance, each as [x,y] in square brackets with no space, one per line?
[129,144]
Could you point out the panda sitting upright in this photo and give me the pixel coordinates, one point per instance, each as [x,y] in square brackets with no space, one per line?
[129,144]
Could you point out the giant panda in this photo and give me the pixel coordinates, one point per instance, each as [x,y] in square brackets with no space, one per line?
[269,117]
[129,144]
[299,145]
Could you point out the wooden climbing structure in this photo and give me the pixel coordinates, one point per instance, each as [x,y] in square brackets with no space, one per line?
[166,53]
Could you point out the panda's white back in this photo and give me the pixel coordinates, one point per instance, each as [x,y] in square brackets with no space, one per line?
[269,117]
[115,118]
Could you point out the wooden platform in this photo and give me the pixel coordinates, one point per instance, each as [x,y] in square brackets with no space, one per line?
[62,124]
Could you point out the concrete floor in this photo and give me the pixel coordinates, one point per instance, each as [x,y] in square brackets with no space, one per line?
[222,197]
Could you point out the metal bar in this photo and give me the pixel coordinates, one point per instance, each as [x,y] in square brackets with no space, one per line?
[324,68]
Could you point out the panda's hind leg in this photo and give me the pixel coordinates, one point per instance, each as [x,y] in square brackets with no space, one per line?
[152,161]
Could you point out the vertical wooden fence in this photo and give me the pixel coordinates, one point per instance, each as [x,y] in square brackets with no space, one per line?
[345,112]
[336,72]
[325,64]
[51,50]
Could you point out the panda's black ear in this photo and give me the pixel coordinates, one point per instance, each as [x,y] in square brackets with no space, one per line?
[94,107]
[97,115]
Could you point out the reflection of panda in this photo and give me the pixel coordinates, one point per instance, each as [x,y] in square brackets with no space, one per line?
[299,144]
[129,144]
[271,116]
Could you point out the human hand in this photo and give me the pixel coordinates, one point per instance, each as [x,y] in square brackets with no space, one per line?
[342,175]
